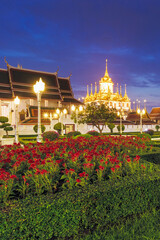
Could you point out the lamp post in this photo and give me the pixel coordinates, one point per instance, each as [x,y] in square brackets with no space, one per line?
[77,110]
[60,116]
[121,116]
[16,102]
[38,89]
[141,113]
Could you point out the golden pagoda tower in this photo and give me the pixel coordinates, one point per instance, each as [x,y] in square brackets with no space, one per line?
[106,94]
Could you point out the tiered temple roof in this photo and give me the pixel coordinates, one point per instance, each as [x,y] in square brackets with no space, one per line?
[155,114]
[19,82]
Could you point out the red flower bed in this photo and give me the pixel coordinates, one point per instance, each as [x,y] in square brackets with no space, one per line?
[45,167]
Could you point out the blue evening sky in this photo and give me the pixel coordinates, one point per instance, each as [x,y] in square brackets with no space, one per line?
[78,35]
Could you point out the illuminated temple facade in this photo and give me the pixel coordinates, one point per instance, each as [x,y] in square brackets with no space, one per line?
[107,95]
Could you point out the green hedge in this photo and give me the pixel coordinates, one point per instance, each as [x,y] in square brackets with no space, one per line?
[152,157]
[73,213]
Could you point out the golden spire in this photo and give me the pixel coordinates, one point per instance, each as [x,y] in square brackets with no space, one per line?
[120,94]
[125,95]
[87,91]
[106,72]
[117,89]
[91,90]
[95,92]
[87,96]
[95,87]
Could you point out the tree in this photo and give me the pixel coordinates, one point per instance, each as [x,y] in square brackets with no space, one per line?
[58,127]
[5,125]
[111,126]
[123,128]
[96,115]
[157,127]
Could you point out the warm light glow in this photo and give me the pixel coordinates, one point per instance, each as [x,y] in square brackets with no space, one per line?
[65,111]
[46,115]
[58,111]
[39,86]
[55,115]
[143,111]
[118,113]
[17,100]
[138,111]
[80,108]
[73,108]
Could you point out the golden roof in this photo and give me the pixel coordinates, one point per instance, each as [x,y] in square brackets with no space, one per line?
[106,77]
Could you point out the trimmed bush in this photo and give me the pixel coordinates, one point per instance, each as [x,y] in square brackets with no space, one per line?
[83,135]
[35,128]
[150,132]
[118,128]
[58,127]
[73,134]
[74,213]
[5,125]
[50,135]
[144,135]
[93,133]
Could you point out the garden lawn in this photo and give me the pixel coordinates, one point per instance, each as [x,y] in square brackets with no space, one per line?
[75,187]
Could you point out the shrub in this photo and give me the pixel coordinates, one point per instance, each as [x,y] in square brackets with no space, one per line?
[93,133]
[83,135]
[58,127]
[35,128]
[73,134]
[144,135]
[5,125]
[111,126]
[150,132]
[50,135]
[68,214]
[157,127]
[118,128]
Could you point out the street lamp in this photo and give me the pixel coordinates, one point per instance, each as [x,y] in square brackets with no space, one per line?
[77,110]
[16,102]
[38,89]
[121,115]
[141,113]
[60,117]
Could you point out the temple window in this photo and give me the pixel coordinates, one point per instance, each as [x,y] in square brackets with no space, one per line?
[46,103]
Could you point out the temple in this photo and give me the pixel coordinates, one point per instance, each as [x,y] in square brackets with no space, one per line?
[107,95]
[17,81]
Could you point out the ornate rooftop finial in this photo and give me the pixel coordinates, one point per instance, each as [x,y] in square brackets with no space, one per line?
[91,89]
[106,72]
[6,61]
[70,75]
[57,70]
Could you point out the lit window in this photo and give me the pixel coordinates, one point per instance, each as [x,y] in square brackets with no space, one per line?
[46,103]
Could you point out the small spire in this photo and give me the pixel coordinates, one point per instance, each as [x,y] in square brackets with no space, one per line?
[91,89]
[87,91]
[117,88]
[125,90]
[106,72]
[95,88]
[120,91]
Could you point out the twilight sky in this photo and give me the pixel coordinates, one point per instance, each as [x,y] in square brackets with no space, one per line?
[78,35]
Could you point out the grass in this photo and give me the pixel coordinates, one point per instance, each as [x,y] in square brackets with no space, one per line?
[145,226]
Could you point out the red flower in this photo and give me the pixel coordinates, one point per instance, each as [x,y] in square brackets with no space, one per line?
[117,166]
[71,170]
[113,169]
[143,166]
[78,180]
[13,176]
[101,168]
